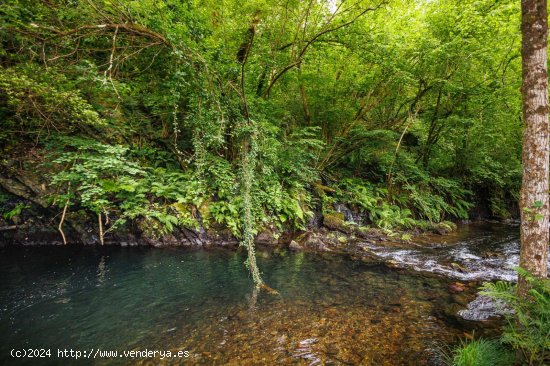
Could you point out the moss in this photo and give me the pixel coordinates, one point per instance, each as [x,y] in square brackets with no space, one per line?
[342,239]
[150,228]
[442,227]
[321,189]
[335,221]
[204,210]
[445,227]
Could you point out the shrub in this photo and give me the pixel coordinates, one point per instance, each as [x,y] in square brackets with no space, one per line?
[528,329]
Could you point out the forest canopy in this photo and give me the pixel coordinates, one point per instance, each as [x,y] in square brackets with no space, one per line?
[247,116]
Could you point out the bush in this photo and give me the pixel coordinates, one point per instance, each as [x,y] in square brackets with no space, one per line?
[528,329]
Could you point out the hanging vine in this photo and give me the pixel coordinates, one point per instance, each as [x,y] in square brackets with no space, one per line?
[249,154]
[249,149]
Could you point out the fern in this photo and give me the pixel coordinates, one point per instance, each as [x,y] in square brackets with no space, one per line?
[529,329]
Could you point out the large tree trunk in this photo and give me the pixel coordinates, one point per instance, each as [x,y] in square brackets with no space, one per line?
[534,191]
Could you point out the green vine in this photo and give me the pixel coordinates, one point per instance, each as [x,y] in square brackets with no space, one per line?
[249,154]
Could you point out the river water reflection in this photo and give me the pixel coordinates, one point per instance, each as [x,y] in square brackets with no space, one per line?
[331,309]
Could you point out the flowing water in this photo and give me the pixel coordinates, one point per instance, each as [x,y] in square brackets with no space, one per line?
[331,309]
[474,252]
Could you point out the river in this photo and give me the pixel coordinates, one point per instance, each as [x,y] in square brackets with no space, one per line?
[332,309]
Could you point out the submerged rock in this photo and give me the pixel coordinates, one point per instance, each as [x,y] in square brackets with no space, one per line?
[457,287]
[392,263]
[458,267]
[460,299]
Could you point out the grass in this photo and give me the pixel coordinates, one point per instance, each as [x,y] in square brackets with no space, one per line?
[481,352]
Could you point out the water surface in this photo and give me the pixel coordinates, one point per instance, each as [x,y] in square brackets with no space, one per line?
[480,251]
[331,309]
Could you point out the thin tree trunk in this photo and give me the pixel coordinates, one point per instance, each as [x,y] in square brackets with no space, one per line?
[534,191]
[60,227]
[425,157]
[305,106]
[390,170]
[100,228]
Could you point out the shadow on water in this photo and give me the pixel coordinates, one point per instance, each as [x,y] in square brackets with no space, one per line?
[331,309]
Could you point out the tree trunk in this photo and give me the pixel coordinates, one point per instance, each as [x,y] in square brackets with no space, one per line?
[534,191]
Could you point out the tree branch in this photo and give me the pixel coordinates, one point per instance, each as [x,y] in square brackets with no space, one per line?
[312,40]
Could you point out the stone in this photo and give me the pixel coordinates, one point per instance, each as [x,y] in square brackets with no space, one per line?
[332,349]
[267,237]
[458,267]
[484,308]
[294,245]
[460,299]
[392,264]
[335,221]
[456,287]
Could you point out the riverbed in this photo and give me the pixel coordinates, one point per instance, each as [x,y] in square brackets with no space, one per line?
[398,307]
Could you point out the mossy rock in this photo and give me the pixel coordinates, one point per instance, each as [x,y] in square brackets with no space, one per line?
[445,227]
[321,189]
[366,232]
[204,210]
[267,236]
[150,228]
[452,225]
[335,221]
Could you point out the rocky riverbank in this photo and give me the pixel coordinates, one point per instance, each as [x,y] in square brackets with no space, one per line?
[39,225]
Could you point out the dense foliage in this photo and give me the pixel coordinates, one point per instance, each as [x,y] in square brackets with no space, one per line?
[526,336]
[528,329]
[255,115]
